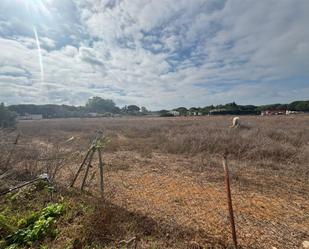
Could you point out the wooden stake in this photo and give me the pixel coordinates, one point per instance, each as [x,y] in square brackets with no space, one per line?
[87,169]
[101,172]
[229,201]
[80,167]
[96,145]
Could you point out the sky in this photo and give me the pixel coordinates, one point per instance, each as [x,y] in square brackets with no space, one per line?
[154,53]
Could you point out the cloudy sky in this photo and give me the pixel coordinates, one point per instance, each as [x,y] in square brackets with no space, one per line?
[156,53]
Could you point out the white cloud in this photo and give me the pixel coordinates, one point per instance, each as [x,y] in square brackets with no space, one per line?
[160,54]
[47,43]
[13,71]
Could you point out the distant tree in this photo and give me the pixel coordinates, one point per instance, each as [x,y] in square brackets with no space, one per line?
[182,110]
[124,109]
[50,111]
[195,111]
[133,109]
[247,107]
[231,106]
[272,107]
[7,117]
[205,110]
[144,110]
[165,113]
[299,106]
[100,105]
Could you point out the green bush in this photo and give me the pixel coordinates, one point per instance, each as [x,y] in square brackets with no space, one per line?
[5,227]
[36,226]
[7,118]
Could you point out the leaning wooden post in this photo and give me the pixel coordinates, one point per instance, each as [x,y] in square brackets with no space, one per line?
[80,167]
[87,169]
[229,201]
[101,172]
[96,145]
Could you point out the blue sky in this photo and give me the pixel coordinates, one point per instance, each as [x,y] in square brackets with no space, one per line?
[159,53]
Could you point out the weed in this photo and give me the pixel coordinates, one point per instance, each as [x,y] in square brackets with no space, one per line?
[36,226]
[5,227]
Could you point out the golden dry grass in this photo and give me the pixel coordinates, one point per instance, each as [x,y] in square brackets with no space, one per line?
[164,178]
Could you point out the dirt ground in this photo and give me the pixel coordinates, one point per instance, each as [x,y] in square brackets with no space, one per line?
[162,188]
[169,171]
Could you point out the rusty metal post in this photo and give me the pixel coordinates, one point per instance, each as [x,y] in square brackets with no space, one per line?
[229,201]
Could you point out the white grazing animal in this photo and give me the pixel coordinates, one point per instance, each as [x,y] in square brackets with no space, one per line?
[236,122]
[305,244]
[70,139]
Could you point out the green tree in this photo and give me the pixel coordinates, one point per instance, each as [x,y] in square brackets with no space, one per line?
[100,105]
[7,118]
[247,107]
[205,110]
[182,110]
[231,106]
[165,113]
[133,108]
[124,109]
[299,106]
[144,110]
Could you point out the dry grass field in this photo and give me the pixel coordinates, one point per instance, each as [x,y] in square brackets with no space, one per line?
[164,180]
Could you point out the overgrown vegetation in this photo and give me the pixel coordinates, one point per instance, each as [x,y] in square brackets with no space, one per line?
[36,226]
[99,105]
[235,109]
[108,107]
[23,222]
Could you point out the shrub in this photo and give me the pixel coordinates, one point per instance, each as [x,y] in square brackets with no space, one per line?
[7,118]
[36,226]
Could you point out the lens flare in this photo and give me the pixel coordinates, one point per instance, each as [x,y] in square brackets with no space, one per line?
[37,10]
[39,53]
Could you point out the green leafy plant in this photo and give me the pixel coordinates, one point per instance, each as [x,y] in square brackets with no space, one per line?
[36,226]
[5,227]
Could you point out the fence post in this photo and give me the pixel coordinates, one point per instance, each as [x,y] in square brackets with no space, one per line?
[87,169]
[229,201]
[80,167]
[101,172]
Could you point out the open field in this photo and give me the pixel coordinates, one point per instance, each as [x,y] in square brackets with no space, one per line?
[164,181]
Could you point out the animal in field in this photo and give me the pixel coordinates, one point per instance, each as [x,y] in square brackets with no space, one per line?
[235,122]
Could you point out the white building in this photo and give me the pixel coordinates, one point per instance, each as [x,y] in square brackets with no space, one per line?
[288,112]
[30,117]
[93,114]
[174,113]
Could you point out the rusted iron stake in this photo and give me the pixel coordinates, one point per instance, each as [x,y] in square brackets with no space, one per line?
[229,201]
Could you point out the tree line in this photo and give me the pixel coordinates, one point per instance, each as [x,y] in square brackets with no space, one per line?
[107,107]
[95,105]
[235,109]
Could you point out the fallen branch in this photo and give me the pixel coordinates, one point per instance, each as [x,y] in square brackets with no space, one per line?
[123,243]
[43,177]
